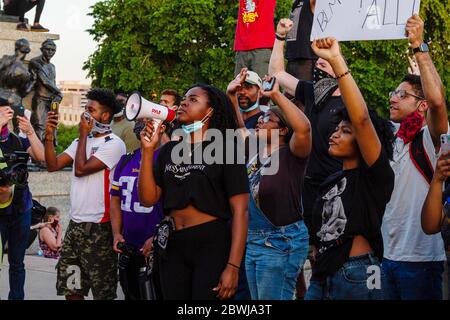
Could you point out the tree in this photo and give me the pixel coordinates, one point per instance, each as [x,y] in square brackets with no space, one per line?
[65,136]
[151,45]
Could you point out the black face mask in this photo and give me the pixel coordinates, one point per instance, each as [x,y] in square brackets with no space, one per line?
[138,127]
[324,86]
[120,105]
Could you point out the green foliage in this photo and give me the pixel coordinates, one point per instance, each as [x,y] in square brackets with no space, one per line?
[65,136]
[153,45]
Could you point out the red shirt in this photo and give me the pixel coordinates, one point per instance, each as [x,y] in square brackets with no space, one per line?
[255,27]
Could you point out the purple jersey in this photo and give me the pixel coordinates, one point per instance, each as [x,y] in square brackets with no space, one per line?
[139,223]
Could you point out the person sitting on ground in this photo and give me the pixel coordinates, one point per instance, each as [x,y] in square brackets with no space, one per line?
[50,234]
[20,7]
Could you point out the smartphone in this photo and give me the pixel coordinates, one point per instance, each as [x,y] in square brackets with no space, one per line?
[19,110]
[54,107]
[445,142]
[268,85]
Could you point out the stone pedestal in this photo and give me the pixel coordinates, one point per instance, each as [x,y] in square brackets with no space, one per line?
[9,35]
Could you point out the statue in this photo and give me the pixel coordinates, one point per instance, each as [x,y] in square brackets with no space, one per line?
[15,79]
[45,89]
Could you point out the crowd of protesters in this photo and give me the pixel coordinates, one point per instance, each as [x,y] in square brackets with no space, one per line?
[311,172]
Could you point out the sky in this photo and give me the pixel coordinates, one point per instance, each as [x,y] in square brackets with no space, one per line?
[69,19]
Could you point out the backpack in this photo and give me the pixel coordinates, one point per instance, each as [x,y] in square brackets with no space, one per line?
[37,215]
[422,163]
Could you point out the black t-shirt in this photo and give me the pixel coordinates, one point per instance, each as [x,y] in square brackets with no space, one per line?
[351,202]
[324,120]
[251,122]
[207,187]
[298,43]
[278,195]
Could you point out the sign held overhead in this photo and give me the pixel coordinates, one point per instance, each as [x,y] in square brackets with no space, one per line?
[348,20]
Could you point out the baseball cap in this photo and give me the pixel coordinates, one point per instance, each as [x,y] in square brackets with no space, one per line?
[253,78]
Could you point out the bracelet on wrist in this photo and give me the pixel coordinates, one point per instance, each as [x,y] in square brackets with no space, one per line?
[343,75]
[233,265]
[278,37]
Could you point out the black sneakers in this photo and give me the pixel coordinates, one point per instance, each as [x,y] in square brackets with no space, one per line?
[38,28]
[22,26]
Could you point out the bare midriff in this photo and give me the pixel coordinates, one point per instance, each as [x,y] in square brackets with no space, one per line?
[360,246]
[189,217]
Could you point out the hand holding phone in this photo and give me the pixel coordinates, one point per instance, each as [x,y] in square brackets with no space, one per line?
[268,85]
[54,107]
[19,110]
[445,143]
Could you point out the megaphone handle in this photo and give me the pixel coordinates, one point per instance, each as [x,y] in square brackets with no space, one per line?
[156,123]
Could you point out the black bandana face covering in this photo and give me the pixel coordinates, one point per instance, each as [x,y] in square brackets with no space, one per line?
[138,127]
[324,86]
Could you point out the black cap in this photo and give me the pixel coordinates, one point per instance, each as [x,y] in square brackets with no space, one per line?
[4,102]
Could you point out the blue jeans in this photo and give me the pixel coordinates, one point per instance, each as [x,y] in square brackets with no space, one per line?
[14,230]
[274,260]
[413,280]
[351,281]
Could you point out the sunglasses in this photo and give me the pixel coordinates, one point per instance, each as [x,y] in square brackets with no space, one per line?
[403,94]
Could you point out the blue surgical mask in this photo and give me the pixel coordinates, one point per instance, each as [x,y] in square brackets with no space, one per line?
[197,125]
[253,107]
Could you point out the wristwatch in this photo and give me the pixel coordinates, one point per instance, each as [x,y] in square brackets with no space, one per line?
[422,48]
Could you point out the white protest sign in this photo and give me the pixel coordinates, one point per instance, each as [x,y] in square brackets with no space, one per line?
[348,20]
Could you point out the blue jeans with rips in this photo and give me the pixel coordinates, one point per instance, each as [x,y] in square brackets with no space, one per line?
[275,256]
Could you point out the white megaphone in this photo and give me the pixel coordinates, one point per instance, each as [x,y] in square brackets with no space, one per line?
[137,107]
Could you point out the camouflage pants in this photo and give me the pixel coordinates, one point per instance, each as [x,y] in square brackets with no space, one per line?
[88,261]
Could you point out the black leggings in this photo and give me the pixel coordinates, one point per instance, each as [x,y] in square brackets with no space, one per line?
[196,257]
[20,7]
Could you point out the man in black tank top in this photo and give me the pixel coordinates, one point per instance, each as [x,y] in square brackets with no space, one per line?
[299,54]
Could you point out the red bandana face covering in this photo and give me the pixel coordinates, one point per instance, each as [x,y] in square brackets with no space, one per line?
[4,133]
[410,126]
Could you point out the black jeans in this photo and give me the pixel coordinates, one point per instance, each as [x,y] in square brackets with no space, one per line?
[194,261]
[20,7]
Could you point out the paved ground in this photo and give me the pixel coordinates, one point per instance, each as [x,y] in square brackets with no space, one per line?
[40,279]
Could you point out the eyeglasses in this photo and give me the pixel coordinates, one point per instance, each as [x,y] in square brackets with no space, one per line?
[402,94]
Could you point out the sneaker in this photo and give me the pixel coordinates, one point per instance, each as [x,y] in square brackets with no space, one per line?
[22,27]
[38,28]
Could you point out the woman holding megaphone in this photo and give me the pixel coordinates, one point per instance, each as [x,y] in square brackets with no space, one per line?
[197,254]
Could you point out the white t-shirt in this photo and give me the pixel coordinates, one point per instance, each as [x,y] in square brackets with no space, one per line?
[403,237]
[89,195]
